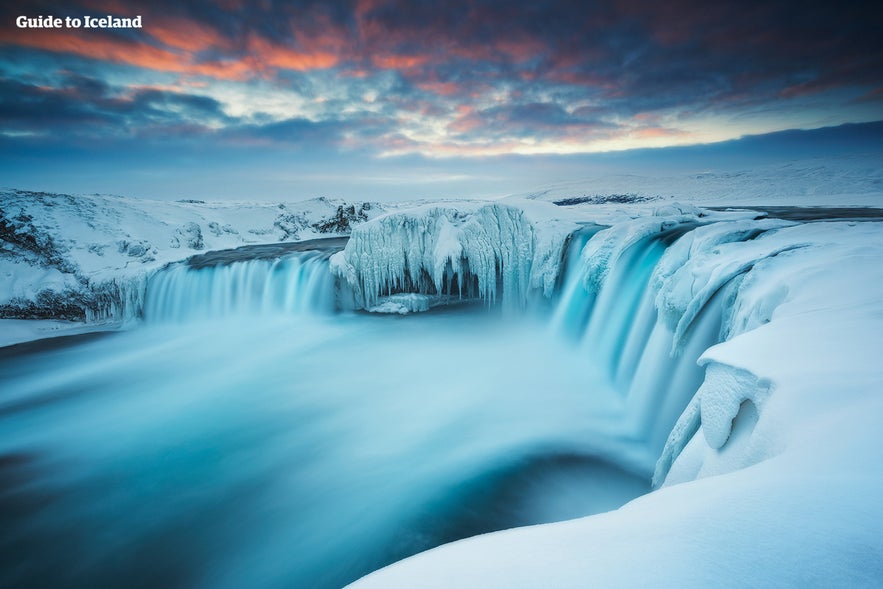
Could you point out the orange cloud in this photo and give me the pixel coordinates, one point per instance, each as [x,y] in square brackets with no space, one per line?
[442,88]
[262,52]
[95,46]
[398,62]
[179,57]
[465,125]
[355,73]
[189,36]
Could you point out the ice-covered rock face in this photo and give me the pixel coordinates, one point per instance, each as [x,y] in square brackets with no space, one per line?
[490,252]
[782,276]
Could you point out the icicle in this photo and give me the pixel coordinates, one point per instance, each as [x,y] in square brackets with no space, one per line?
[492,247]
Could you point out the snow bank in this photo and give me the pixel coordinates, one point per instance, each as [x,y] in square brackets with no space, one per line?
[16,331]
[701,262]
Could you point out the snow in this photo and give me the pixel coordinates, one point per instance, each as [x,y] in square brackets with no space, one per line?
[17,331]
[403,304]
[704,260]
[850,180]
[22,280]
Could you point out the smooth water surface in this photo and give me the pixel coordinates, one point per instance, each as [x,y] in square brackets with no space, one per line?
[300,451]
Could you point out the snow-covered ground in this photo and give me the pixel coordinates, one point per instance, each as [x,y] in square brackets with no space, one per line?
[849,180]
[16,331]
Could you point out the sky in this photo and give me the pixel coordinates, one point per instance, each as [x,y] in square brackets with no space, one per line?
[236,99]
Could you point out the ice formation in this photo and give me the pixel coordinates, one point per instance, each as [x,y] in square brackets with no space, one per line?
[487,252]
[403,303]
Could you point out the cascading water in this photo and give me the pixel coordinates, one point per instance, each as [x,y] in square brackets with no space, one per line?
[611,302]
[295,284]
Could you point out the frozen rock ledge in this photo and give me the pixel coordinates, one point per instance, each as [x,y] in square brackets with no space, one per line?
[492,252]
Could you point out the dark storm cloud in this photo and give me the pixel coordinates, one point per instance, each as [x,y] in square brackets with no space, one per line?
[305,133]
[87,107]
[80,107]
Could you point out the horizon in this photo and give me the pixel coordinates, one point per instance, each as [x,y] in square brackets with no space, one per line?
[478,178]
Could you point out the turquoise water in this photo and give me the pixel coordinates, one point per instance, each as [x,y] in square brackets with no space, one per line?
[289,451]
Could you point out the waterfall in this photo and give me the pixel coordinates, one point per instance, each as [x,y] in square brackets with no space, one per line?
[297,283]
[644,300]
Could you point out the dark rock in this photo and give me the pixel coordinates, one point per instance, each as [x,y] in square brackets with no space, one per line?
[189,235]
[600,199]
[217,230]
[290,224]
[20,232]
[343,219]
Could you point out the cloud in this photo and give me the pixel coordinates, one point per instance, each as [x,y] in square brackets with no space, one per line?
[82,107]
[414,75]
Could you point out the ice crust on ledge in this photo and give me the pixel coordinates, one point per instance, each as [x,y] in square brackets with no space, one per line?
[727,405]
[492,252]
[705,259]
[402,304]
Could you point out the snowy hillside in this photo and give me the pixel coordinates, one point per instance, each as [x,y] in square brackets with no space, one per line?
[78,257]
